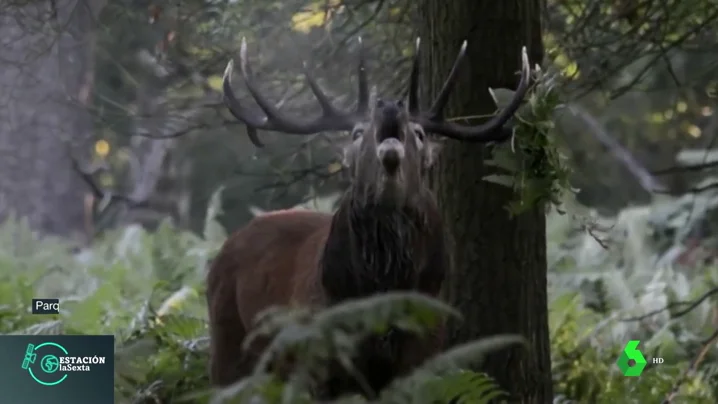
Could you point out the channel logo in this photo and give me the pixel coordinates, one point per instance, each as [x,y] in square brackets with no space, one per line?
[632,362]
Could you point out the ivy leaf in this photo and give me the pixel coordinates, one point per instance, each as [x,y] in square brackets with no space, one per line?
[213,230]
[215,82]
[502,157]
[334,167]
[501,96]
[501,179]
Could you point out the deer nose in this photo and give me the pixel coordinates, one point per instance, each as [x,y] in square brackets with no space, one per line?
[390,153]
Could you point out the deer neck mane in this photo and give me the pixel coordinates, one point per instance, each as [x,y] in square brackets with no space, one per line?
[373,247]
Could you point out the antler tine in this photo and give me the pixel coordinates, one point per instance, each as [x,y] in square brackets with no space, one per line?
[490,131]
[437,109]
[237,110]
[363,83]
[414,82]
[327,108]
[331,119]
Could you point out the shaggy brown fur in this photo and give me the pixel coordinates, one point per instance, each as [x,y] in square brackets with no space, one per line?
[309,258]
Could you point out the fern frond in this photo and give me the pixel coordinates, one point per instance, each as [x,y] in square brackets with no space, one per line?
[52,327]
[463,387]
[409,311]
[443,368]
[472,353]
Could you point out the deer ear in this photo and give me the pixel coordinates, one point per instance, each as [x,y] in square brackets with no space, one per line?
[347,157]
[340,145]
[349,150]
[433,148]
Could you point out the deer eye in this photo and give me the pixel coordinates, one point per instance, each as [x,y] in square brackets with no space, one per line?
[357,134]
[419,134]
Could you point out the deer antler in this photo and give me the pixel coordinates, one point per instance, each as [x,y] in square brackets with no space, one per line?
[273,120]
[433,120]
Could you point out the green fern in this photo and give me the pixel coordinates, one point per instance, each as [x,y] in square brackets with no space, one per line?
[146,289]
[462,387]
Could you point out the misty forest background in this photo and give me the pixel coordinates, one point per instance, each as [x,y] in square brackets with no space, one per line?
[126,95]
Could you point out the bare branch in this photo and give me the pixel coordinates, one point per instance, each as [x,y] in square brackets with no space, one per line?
[644,177]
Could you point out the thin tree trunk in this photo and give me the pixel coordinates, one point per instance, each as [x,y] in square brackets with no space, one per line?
[46,79]
[499,278]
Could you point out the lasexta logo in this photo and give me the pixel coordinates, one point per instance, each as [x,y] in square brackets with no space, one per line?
[55,363]
[631,353]
[49,363]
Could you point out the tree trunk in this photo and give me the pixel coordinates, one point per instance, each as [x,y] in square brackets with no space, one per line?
[499,275]
[46,78]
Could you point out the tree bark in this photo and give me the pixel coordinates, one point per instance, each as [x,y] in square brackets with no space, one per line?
[499,274]
[46,79]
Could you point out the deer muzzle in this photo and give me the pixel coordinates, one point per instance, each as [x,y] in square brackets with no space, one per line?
[390,153]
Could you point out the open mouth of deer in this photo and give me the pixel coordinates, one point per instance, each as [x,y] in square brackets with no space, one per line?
[390,149]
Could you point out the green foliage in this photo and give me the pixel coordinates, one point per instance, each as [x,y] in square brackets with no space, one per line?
[143,288]
[467,387]
[531,163]
[310,340]
[146,290]
[607,292]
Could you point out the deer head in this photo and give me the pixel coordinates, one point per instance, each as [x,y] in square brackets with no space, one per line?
[389,150]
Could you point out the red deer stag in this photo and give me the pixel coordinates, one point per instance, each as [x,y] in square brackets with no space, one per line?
[387,233]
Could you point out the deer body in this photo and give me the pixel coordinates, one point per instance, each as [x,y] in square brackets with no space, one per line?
[386,235]
[309,258]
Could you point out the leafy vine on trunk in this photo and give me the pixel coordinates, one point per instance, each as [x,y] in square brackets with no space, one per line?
[531,164]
